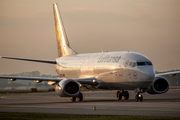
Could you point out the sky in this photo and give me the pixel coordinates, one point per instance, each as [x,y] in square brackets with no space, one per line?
[149,27]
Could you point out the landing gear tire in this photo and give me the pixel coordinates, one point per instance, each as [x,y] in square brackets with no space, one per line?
[139,97]
[80,97]
[118,95]
[136,98]
[126,95]
[73,99]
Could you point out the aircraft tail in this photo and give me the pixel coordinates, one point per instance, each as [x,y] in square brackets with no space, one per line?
[63,45]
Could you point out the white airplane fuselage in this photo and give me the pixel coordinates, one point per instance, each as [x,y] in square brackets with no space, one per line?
[112,70]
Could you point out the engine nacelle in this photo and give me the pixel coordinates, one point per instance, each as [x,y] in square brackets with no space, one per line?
[68,88]
[159,85]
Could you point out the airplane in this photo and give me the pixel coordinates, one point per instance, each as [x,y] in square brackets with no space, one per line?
[121,70]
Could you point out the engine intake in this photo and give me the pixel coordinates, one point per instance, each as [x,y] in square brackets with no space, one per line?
[68,88]
[72,88]
[159,85]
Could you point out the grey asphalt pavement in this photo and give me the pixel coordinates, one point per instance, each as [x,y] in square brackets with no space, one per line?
[167,104]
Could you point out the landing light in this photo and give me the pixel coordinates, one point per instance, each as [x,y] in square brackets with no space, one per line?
[51,83]
[12,79]
[172,75]
[37,81]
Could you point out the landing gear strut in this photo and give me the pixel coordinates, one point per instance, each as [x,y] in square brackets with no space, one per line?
[123,93]
[80,97]
[73,99]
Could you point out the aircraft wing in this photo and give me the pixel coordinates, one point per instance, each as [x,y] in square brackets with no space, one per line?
[12,78]
[89,81]
[32,60]
[168,74]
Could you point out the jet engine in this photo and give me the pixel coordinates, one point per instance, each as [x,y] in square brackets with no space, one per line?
[159,85]
[68,88]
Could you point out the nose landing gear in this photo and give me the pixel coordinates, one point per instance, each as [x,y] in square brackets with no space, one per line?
[123,93]
[139,97]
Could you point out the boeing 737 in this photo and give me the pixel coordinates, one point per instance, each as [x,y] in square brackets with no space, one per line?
[119,70]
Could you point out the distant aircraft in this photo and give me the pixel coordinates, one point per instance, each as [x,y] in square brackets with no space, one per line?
[105,70]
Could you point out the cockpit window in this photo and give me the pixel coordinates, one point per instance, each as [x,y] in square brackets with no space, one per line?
[134,64]
[148,63]
[141,63]
[131,64]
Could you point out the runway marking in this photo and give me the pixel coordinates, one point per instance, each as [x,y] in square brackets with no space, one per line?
[90,108]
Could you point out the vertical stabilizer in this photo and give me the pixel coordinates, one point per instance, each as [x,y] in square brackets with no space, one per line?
[63,45]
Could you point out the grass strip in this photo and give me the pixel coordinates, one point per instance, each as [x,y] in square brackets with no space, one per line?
[56,116]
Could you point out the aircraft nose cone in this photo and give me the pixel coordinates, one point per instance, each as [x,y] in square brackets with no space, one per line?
[148,74]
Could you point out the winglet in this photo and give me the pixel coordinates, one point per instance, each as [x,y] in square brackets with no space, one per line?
[64,47]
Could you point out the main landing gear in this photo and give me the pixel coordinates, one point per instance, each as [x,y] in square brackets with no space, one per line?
[79,97]
[123,93]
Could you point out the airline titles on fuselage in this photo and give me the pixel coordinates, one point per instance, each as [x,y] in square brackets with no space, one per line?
[109,59]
